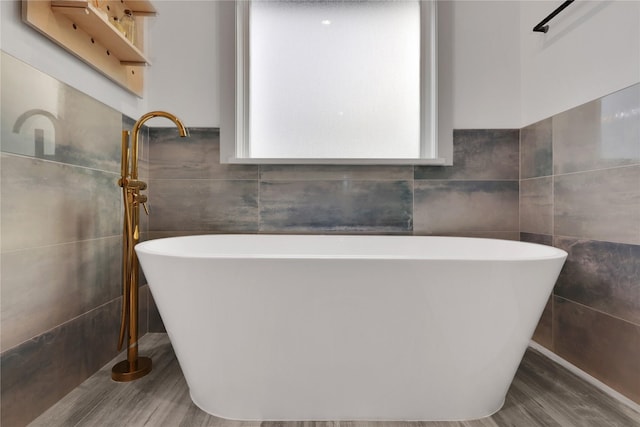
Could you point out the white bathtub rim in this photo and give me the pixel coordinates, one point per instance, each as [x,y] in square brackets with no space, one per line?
[544,252]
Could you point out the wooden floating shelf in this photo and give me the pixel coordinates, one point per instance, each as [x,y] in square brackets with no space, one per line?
[91,21]
[85,31]
[141,7]
[136,6]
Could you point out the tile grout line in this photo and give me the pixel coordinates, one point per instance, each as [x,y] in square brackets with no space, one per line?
[634,165]
[53,245]
[413,200]
[4,351]
[553,240]
[604,313]
[259,201]
[72,165]
[520,184]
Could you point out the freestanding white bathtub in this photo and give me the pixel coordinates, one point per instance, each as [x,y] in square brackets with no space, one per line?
[291,327]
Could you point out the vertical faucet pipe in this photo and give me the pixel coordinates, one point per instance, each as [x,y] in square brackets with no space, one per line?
[133,367]
[125,236]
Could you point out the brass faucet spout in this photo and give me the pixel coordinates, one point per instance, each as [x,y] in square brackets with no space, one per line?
[136,130]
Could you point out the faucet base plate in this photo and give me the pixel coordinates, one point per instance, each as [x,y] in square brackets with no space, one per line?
[123,371]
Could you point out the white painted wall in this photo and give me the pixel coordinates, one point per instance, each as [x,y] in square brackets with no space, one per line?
[183,48]
[23,42]
[592,49]
[505,75]
[486,75]
[486,64]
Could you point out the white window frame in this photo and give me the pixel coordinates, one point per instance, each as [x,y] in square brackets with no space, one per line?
[435,143]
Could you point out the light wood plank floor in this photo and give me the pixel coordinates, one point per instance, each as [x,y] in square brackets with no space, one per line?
[542,394]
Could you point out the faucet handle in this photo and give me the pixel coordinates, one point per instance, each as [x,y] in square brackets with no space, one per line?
[137,184]
[141,199]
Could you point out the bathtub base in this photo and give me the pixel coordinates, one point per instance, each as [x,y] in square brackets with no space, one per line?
[425,418]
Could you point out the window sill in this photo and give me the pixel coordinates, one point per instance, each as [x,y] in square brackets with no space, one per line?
[286,161]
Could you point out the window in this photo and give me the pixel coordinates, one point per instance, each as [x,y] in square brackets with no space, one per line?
[335,82]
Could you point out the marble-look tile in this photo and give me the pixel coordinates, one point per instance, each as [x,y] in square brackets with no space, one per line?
[144,236]
[45,203]
[91,132]
[143,138]
[502,235]
[194,157]
[445,207]
[143,166]
[177,233]
[599,205]
[335,172]
[144,220]
[143,146]
[480,155]
[536,205]
[543,334]
[601,275]
[603,346]
[541,239]
[155,321]
[536,150]
[44,118]
[128,122]
[39,372]
[127,125]
[144,310]
[600,134]
[203,205]
[335,206]
[47,286]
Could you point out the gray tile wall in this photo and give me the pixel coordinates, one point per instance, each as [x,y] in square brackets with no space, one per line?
[191,192]
[580,191]
[61,227]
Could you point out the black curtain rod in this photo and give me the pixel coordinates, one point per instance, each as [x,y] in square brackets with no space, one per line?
[541,27]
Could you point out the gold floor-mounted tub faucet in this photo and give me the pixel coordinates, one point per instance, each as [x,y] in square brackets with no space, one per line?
[133,367]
